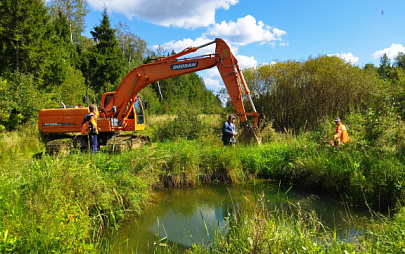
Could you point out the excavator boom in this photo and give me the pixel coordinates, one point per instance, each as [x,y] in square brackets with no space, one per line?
[172,66]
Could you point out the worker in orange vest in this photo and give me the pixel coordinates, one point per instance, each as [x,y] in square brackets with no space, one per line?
[341,133]
[89,127]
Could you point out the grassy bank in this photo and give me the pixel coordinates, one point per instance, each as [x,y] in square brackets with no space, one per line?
[257,230]
[62,204]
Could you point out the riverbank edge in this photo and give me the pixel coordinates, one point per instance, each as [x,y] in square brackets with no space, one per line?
[88,194]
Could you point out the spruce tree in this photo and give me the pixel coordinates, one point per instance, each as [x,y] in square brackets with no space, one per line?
[104,64]
[24,37]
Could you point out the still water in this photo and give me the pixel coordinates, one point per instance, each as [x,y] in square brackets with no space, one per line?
[182,217]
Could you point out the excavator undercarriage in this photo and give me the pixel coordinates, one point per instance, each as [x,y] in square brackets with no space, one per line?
[126,142]
[115,144]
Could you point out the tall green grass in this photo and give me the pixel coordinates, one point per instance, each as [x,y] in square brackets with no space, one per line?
[57,203]
[258,230]
[63,204]
[255,229]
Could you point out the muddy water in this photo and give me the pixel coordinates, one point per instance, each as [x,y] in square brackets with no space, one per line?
[181,217]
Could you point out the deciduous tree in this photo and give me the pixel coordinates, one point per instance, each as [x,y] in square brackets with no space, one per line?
[299,95]
[131,45]
[75,11]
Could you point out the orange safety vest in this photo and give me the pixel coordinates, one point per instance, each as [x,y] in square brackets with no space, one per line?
[343,135]
[89,124]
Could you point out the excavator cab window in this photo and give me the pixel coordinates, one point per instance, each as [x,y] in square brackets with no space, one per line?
[108,99]
[131,114]
[139,112]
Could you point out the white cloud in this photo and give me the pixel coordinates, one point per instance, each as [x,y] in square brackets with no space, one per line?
[246,62]
[213,81]
[213,84]
[178,46]
[391,52]
[271,63]
[244,31]
[348,57]
[177,13]
[213,73]
[212,78]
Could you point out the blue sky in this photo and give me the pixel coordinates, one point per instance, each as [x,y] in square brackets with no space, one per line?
[260,32]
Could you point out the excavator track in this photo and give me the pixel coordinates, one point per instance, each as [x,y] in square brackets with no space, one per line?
[122,143]
[115,144]
[59,146]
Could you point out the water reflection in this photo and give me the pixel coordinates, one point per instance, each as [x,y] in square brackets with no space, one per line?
[193,228]
[182,217]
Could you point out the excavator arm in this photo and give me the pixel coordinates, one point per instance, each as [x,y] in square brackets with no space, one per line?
[172,66]
[122,110]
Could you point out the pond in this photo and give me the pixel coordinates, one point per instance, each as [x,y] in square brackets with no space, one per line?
[183,216]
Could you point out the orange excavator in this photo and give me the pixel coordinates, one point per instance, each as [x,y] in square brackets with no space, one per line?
[123,110]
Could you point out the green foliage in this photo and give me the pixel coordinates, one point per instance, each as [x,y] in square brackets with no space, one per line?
[255,229]
[60,55]
[58,203]
[153,105]
[75,12]
[186,89]
[133,47]
[50,50]
[187,125]
[391,238]
[25,34]
[71,91]
[400,60]
[104,63]
[8,243]
[20,100]
[385,66]
[299,95]
[53,203]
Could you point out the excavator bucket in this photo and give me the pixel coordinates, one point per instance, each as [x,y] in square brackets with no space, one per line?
[249,136]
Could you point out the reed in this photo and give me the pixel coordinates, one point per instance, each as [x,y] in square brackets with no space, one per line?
[255,229]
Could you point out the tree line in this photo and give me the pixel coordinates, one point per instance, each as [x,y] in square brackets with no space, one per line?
[299,95]
[46,59]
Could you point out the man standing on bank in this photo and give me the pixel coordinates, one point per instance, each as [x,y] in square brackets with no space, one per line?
[90,121]
[229,131]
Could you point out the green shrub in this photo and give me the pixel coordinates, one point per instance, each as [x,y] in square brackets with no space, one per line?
[391,238]
[298,95]
[20,100]
[187,125]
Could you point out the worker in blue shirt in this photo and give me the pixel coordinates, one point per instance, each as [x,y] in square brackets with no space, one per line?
[229,131]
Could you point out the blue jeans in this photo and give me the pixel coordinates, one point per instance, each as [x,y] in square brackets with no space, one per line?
[228,143]
[93,142]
